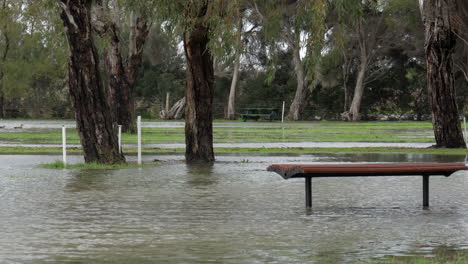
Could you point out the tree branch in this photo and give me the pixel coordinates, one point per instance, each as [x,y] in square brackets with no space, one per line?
[262,17]
[67,13]
[463,71]
[138,34]
[460,37]
[7,45]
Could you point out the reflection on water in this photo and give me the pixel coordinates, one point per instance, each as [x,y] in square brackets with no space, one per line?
[200,175]
[231,212]
[394,157]
[86,180]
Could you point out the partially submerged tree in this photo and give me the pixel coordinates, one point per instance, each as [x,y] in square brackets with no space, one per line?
[204,26]
[92,111]
[440,19]
[199,89]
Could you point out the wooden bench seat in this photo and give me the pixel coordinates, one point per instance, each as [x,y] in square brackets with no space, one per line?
[309,171]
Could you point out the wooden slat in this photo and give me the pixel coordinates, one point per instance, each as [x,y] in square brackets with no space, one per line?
[365,169]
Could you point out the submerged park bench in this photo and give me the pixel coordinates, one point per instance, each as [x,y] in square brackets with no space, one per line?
[309,171]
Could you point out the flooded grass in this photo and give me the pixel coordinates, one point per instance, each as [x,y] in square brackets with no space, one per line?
[251,151]
[93,166]
[231,212]
[438,255]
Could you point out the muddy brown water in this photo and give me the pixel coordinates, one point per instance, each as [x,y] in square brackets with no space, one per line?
[232,212]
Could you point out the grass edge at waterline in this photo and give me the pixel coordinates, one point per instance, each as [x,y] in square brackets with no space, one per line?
[93,166]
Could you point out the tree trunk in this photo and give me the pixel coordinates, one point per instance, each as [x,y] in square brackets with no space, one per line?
[231,112]
[122,77]
[168,96]
[2,97]
[346,66]
[439,44]
[176,111]
[301,91]
[119,90]
[138,36]
[92,112]
[199,96]
[2,105]
[2,73]
[354,109]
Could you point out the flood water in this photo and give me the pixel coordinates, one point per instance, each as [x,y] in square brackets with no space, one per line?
[233,212]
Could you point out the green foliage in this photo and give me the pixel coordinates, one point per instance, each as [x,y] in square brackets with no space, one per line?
[34,82]
[34,66]
[311,18]
[270,89]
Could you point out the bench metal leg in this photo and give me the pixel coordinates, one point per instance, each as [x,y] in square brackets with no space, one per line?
[308,191]
[425,190]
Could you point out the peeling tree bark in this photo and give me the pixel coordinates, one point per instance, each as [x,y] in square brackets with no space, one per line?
[439,44]
[199,94]
[92,112]
[119,89]
[123,75]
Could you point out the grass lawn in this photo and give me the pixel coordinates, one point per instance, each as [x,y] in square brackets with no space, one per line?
[439,255]
[260,132]
[319,131]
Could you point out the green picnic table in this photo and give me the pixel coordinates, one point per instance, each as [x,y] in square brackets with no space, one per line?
[260,113]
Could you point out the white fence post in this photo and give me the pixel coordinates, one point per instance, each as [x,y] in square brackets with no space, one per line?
[282,114]
[64,145]
[120,138]
[139,138]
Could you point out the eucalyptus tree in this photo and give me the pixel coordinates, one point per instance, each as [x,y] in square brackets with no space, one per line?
[9,25]
[205,25]
[243,28]
[88,96]
[200,78]
[300,27]
[363,25]
[231,110]
[111,18]
[444,20]
[461,50]
[31,54]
